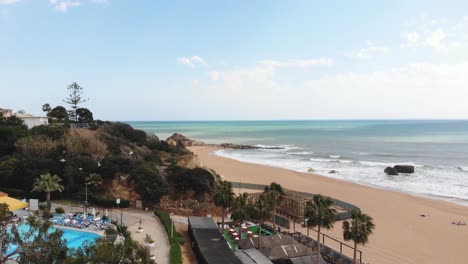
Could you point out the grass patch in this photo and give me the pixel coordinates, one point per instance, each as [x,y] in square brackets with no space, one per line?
[175,241]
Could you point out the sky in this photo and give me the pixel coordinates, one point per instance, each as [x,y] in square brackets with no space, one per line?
[238,60]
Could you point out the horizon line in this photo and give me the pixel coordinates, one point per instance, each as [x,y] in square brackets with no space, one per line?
[278,120]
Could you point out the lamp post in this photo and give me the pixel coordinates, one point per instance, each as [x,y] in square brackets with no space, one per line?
[172,224]
[86,197]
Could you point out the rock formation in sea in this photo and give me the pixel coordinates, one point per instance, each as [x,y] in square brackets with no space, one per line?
[404,168]
[390,171]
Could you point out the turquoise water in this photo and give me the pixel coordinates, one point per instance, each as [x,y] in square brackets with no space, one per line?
[358,149]
[74,238]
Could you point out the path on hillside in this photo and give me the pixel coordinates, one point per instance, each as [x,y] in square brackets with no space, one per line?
[153,227]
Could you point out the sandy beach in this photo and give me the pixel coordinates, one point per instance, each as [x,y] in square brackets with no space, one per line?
[401,235]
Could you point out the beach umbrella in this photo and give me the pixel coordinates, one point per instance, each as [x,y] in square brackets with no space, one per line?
[94,212]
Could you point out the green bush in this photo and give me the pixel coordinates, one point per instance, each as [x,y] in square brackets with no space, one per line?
[149,184]
[110,231]
[106,202]
[176,241]
[199,180]
[59,210]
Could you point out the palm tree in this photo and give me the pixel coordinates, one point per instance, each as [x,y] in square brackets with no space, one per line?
[276,193]
[261,211]
[358,230]
[321,213]
[224,197]
[47,183]
[240,208]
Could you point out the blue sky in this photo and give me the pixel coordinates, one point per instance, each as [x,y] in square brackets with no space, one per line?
[216,60]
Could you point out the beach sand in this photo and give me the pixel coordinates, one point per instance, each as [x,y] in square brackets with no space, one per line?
[401,234]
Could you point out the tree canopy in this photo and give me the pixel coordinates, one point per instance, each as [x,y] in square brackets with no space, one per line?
[84,115]
[358,230]
[74,99]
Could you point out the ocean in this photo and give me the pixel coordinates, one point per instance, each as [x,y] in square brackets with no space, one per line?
[358,150]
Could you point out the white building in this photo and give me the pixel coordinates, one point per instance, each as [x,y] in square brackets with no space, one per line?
[32,121]
[6,112]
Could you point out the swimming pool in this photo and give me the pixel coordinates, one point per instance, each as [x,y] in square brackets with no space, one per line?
[74,238]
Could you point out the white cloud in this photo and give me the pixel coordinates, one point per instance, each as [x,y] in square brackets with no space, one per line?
[436,39]
[63,6]
[436,35]
[413,38]
[8,2]
[296,63]
[368,52]
[439,89]
[264,70]
[192,62]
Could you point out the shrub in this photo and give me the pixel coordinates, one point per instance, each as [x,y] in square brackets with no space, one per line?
[59,210]
[37,146]
[125,131]
[175,252]
[52,132]
[198,180]
[149,184]
[110,231]
[106,202]
[80,145]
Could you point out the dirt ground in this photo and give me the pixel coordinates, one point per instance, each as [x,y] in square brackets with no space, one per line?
[188,257]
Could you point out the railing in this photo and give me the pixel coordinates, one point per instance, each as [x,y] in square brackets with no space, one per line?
[338,216]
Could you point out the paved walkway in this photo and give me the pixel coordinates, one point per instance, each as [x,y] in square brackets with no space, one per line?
[153,227]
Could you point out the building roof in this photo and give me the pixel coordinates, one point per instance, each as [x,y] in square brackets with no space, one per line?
[311,259]
[252,256]
[198,222]
[29,116]
[267,241]
[211,243]
[286,251]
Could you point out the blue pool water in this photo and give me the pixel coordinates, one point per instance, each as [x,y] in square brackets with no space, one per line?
[73,238]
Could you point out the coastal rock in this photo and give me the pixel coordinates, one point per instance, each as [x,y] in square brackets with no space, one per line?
[172,142]
[237,146]
[332,172]
[189,161]
[404,168]
[179,139]
[310,170]
[390,171]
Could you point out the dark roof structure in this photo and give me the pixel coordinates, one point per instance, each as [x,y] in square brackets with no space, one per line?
[197,222]
[252,256]
[311,259]
[208,243]
[286,251]
[267,241]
